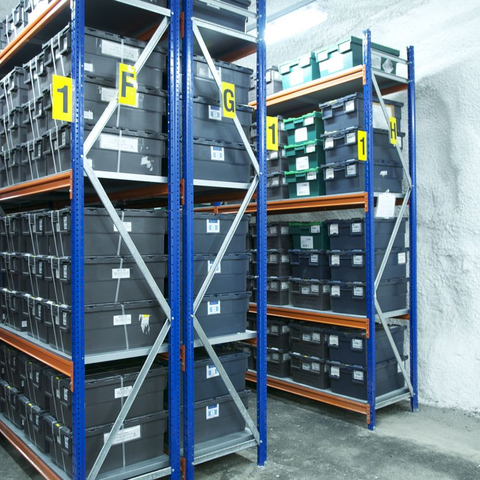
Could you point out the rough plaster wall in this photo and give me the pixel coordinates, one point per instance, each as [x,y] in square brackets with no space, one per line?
[447,71]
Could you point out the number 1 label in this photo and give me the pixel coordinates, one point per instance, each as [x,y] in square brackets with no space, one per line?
[272,133]
[62,98]
[362,145]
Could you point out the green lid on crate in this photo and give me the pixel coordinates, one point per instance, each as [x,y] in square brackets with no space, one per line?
[292,176]
[292,150]
[302,61]
[290,123]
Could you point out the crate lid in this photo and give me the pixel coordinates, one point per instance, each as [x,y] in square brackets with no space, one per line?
[307,358]
[222,64]
[303,117]
[226,296]
[218,143]
[309,281]
[291,150]
[297,173]
[202,357]
[346,131]
[220,399]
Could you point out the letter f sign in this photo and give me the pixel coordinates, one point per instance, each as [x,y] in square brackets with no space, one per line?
[127,85]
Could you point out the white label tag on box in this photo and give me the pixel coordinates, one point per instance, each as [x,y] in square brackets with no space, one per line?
[351,170]
[213,226]
[285,259]
[358,291]
[326,289]
[88,67]
[305,290]
[212,371]
[358,259]
[306,242]
[284,285]
[120,273]
[311,176]
[123,392]
[117,143]
[314,258]
[127,225]
[107,94]
[315,289]
[316,367]
[315,228]
[358,375]
[333,340]
[335,292]
[88,115]
[349,106]
[273,230]
[306,337]
[334,259]
[306,366]
[309,121]
[217,153]
[214,113]
[385,205]
[272,258]
[214,308]
[303,189]
[328,143]
[310,149]
[125,435]
[334,371]
[316,337]
[329,173]
[351,138]
[122,320]
[356,228]
[124,52]
[301,135]
[333,229]
[402,258]
[301,163]
[218,269]
[273,286]
[357,343]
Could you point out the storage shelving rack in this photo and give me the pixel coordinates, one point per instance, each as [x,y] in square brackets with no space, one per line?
[305,98]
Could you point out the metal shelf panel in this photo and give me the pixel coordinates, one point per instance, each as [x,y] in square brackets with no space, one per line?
[143,470]
[392,397]
[220,184]
[36,349]
[40,461]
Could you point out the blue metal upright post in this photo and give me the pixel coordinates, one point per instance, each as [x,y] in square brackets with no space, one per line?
[174,379]
[78,339]
[188,243]
[370,228]
[261,237]
[412,154]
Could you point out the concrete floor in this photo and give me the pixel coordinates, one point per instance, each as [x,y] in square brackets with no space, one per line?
[309,441]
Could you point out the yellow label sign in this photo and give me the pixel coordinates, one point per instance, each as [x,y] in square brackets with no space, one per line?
[62,98]
[228,95]
[272,133]
[362,145]
[393,130]
[127,85]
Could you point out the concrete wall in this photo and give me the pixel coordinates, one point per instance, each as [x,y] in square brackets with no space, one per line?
[448,68]
[448,146]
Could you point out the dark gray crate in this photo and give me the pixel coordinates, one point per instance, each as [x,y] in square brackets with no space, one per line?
[36,78]
[37,119]
[204,85]
[278,263]
[36,329]
[312,294]
[33,270]
[278,333]
[310,371]
[224,314]
[17,131]
[210,231]
[281,137]
[350,347]
[278,291]
[231,275]
[278,363]
[309,339]
[35,164]
[277,187]
[349,298]
[13,92]
[350,265]
[350,234]
[310,264]
[222,17]
[349,177]
[277,161]
[274,83]
[33,232]
[278,235]
[348,112]
[35,426]
[220,161]
[34,383]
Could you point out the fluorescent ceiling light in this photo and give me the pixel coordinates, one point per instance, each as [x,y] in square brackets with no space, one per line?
[295,19]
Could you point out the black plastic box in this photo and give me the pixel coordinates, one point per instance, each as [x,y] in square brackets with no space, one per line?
[349,297]
[310,264]
[278,334]
[278,236]
[309,371]
[278,291]
[277,161]
[350,347]
[34,384]
[222,17]
[274,83]
[351,380]
[35,426]
[308,339]
[350,234]
[278,363]
[312,294]
[277,187]
[278,262]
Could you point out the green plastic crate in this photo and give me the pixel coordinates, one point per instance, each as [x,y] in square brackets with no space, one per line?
[305,155]
[303,129]
[349,53]
[307,183]
[310,236]
[300,71]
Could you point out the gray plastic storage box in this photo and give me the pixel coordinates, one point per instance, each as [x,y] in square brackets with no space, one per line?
[107,279]
[350,347]
[343,145]
[147,228]
[13,92]
[277,187]
[150,113]
[278,363]
[35,426]
[348,112]
[278,334]
[209,122]
[210,231]
[350,234]
[140,440]
[107,389]
[312,294]
[36,329]
[278,235]
[34,384]
[34,163]
[220,161]
[350,265]
[351,380]
[230,277]
[349,297]
[277,161]
[308,339]
[349,177]
[224,314]
[278,291]
[103,52]
[274,83]
[222,17]
[278,263]
[205,86]
[310,264]
[309,371]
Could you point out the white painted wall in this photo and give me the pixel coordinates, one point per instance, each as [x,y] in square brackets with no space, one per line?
[445,36]
[448,152]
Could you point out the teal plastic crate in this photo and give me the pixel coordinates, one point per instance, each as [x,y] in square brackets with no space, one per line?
[303,129]
[300,71]
[349,53]
[310,236]
[306,183]
[305,155]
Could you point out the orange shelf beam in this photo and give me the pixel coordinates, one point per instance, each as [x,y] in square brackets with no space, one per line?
[303,391]
[34,187]
[315,317]
[47,357]
[28,454]
[297,205]
[32,29]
